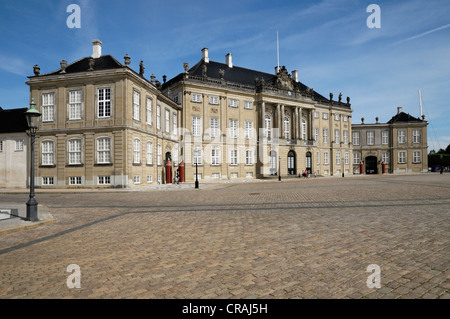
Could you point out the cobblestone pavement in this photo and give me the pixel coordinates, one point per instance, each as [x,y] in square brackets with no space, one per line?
[308,238]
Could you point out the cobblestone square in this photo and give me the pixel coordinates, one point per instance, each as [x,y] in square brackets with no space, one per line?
[298,238]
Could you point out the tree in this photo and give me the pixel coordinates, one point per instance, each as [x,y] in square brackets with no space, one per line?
[447,150]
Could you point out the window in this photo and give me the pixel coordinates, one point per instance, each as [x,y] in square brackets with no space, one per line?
[337,117]
[416,136]
[196,98]
[370,138]
[136,151]
[149,179]
[402,157]
[249,174]
[345,118]
[248,130]
[316,134]
[197,159]
[149,153]
[75,180]
[287,128]
[214,127]
[355,138]
[215,157]
[233,157]
[303,129]
[234,175]
[325,116]
[136,179]
[104,102]
[345,137]
[248,157]
[234,103]
[401,137]
[104,180]
[385,157]
[149,110]
[337,136]
[346,158]
[325,158]
[75,105]
[356,158]
[233,128]
[159,154]
[325,135]
[267,126]
[196,125]
[214,100]
[136,106]
[316,114]
[416,157]
[158,117]
[248,105]
[385,137]
[74,152]
[48,107]
[47,152]
[103,150]
[19,146]
[167,126]
[338,158]
[175,124]
[215,175]
[48,181]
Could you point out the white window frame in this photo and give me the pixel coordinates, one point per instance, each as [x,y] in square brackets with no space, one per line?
[159,155]
[385,157]
[104,180]
[214,127]
[325,116]
[104,102]
[214,100]
[175,124]
[48,106]
[249,157]
[325,135]
[268,126]
[325,158]
[136,105]
[104,150]
[158,117]
[136,179]
[149,153]
[370,137]
[287,127]
[167,121]
[75,180]
[248,105]
[417,157]
[74,151]
[233,157]
[417,138]
[304,129]
[196,98]
[197,155]
[233,128]
[338,158]
[346,158]
[149,110]
[355,138]
[48,180]
[196,125]
[233,103]
[19,146]
[345,136]
[75,104]
[337,136]
[215,156]
[248,130]
[402,157]
[356,158]
[136,151]
[47,153]
[401,134]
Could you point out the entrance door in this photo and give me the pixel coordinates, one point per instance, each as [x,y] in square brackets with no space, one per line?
[308,163]
[371,165]
[273,163]
[291,163]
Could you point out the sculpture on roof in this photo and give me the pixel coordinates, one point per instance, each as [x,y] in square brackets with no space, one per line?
[36,70]
[141,68]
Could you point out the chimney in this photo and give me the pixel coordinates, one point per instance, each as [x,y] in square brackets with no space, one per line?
[399,110]
[205,55]
[295,75]
[96,49]
[228,60]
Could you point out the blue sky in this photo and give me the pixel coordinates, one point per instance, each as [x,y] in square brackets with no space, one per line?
[327,41]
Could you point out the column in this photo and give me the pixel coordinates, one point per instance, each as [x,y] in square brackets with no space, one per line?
[300,123]
[282,122]
[296,123]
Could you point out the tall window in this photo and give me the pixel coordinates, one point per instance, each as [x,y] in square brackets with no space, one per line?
[214,127]
[337,136]
[196,97]
[167,118]
[287,127]
[175,124]
[234,103]
[346,158]
[215,156]
[345,133]
[385,137]
[197,155]
[136,151]
[104,102]
[248,157]
[267,126]
[401,137]
[149,110]
[74,151]
[149,153]
[416,157]
[104,150]
[370,138]
[75,105]
[233,157]
[47,153]
[19,145]
[338,158]
[325,158]
[248,130]
[48,107]
[416,136]
[385,157]
[159,154]
[158,117]
[136,106]
[316,134]
[325,135]
[355,138]
[402,157]
[196,126]
[233,129]
[356,158]
[248,105]
[303,129]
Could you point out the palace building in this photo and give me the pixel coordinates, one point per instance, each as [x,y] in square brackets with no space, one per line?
[241,123]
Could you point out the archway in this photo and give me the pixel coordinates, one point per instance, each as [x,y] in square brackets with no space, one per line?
[371,165]
[291,164]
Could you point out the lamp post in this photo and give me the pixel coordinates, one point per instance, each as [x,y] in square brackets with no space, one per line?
[196,168]
[279,168]
[33,116]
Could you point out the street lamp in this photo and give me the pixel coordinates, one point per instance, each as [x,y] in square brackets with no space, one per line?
[279,168]
[196,168]
[33,116]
